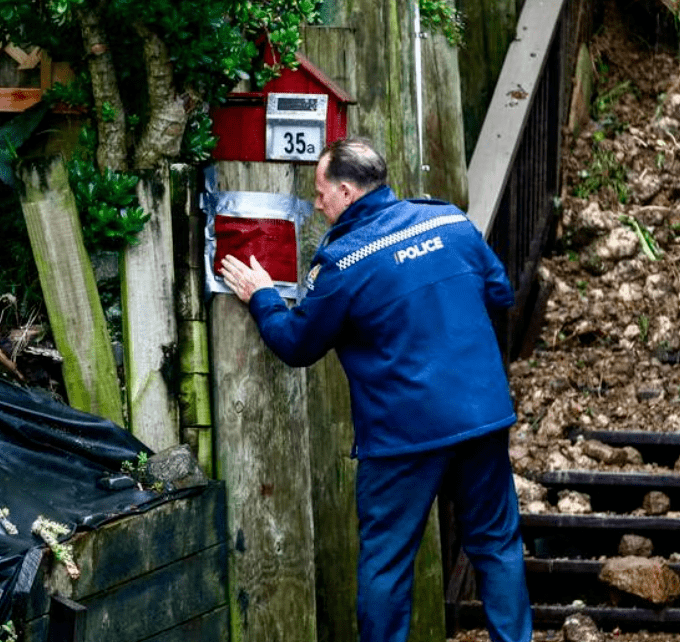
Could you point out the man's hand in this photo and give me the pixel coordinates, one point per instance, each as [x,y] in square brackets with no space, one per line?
[244,280]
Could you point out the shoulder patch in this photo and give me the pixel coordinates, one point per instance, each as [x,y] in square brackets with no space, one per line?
[311,276]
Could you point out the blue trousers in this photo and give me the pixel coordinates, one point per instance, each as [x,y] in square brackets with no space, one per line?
[394,497]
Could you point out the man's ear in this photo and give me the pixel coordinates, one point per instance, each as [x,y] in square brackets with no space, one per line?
[350,192]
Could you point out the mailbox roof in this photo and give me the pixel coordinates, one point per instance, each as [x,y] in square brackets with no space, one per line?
[334,89]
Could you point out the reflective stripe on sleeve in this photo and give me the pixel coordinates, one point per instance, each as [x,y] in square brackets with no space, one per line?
[396,237]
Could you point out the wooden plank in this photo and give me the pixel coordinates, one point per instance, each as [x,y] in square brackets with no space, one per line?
[262,451]
[550,566]
[26,60]
[67,620]
[149,322]
[630,437]
[36,630]
[16,99]
[194,408]
[45,71]
[610,616]
[193,336]
[619,522]
[401,148]
[589,478]
[469,615]
[382,64]
[195,415]
[336,540]
[428,620]
[69,288]
[151,604]
[509,109]
[333,49]
[571,566]
[444,138]
[208,627]
[127,548]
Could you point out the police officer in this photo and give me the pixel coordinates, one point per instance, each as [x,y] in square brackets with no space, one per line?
[401,290]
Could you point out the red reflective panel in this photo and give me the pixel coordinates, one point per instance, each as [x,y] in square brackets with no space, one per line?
[270,241]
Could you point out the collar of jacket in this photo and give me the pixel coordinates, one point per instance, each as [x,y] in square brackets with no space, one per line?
[358,212]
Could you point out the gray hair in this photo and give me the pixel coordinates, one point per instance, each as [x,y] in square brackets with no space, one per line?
[355,160]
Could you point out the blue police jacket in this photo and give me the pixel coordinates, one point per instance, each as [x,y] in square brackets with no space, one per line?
[401,290]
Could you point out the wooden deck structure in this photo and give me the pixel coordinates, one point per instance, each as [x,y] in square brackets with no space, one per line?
[157,576]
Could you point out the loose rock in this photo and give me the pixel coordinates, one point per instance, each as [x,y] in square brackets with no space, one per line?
[635,545]
[579,627]
[604,452]
[573,502]
[649,578]
[528,491]
[656,503]
[177,468]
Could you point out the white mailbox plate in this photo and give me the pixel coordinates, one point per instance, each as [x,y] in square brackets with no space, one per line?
[296,126]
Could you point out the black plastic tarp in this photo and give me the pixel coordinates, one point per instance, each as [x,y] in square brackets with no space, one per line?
[53,460]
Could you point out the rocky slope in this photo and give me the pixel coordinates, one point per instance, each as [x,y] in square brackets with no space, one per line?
[608,353]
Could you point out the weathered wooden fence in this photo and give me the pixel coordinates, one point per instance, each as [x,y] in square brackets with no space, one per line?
[69,288]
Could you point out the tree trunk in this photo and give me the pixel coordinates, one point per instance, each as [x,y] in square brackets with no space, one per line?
[163,133]
[111,150]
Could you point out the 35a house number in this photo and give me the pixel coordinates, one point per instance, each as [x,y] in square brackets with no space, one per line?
[296,142]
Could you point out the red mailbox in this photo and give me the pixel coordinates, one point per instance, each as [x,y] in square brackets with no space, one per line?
[251,125]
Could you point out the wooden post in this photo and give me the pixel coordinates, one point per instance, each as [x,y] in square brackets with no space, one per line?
[333,50]
[444,138]
[335,518]
[149,323]
[70,289]
[360,59]
[194,364]
[262,452]
[380,75]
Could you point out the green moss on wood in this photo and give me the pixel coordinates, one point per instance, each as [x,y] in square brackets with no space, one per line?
[76,317]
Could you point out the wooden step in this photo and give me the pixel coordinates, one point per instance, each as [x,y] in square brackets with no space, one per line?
[662,448]
[612,492]
[562,581]
[469,615]
[595,535]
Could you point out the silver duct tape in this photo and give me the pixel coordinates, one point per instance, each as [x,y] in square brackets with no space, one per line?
[255,205]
